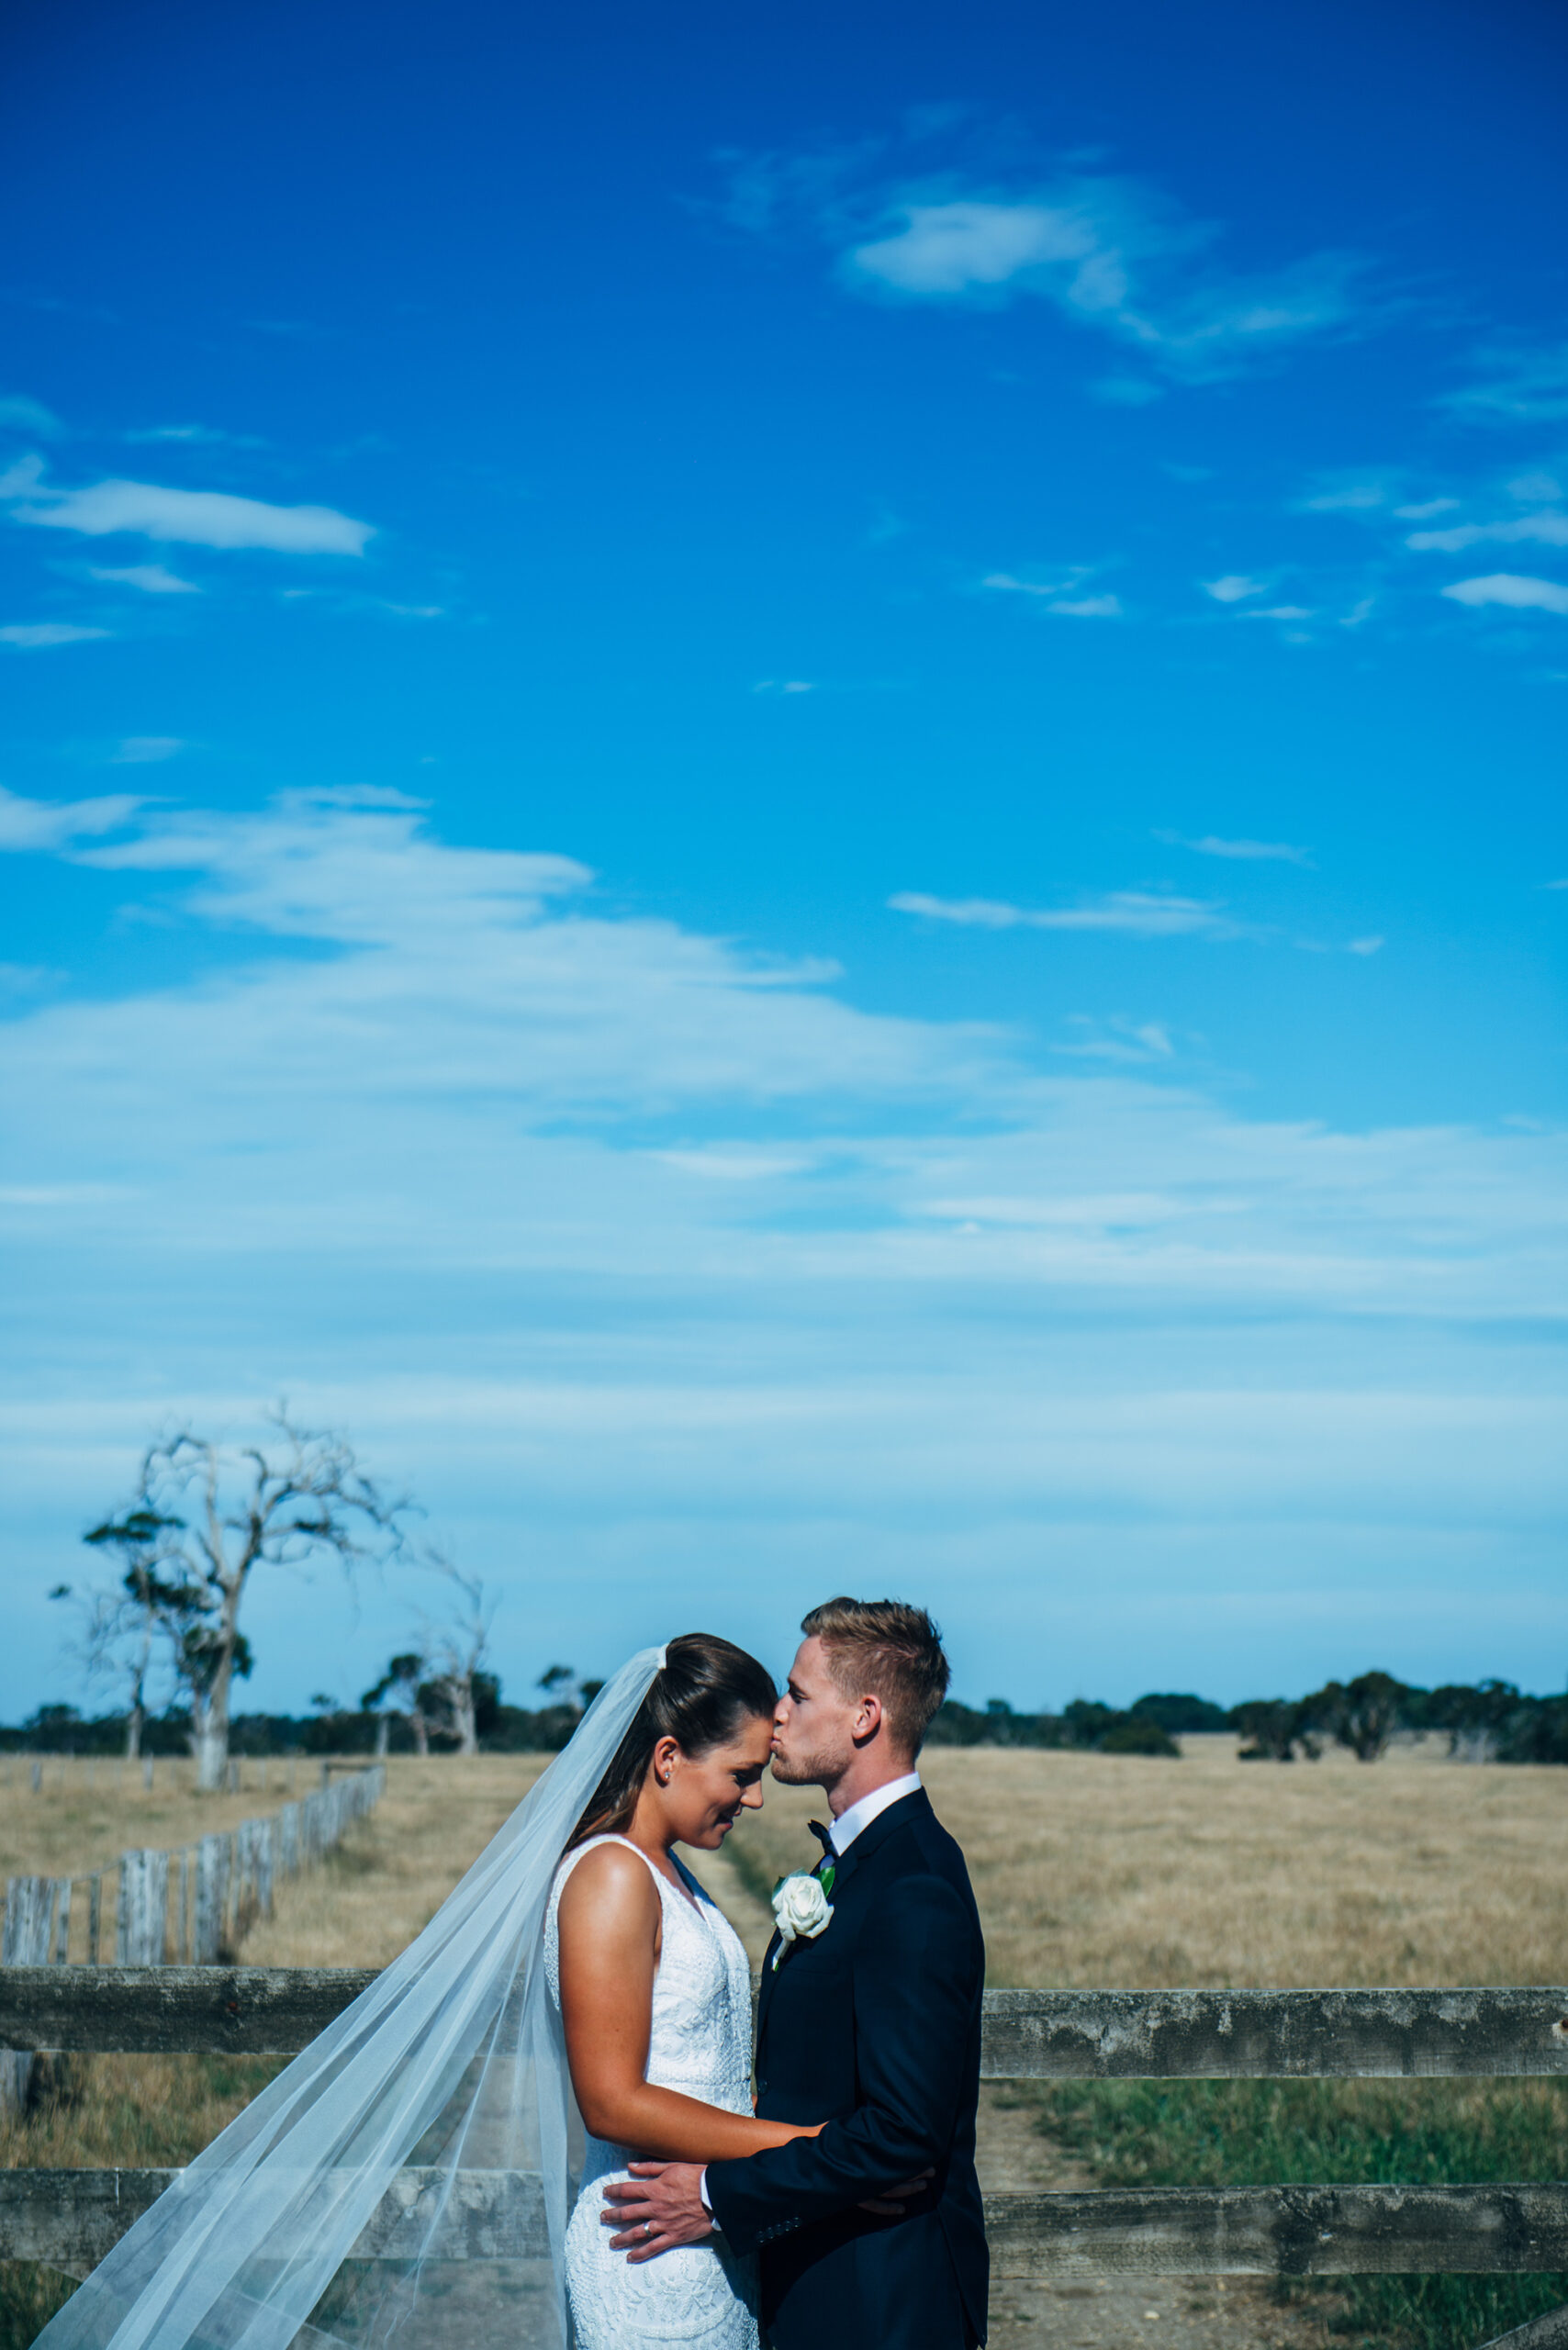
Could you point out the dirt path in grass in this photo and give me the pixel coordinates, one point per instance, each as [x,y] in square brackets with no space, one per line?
[1102,2313]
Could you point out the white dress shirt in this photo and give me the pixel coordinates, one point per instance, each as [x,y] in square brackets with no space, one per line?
[848,1825]
[843,1832]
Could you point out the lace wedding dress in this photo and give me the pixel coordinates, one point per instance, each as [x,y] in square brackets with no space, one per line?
[699,2296]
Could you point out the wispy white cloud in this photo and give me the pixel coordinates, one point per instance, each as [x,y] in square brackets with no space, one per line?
[20,414]
[1426,509]
[1109,254]
[1057,595]
[949,1291]
[1232,588]
[1545,528]
[784,686]
[1088,607]
[1519,592]
[1134,913]
[1371,945]
[193,436]
[1246,852]
[58,823]
[1514,385]
[37,636]
[1141,1044]
[207,518]
[1352,498]
[151,578]
[146,750]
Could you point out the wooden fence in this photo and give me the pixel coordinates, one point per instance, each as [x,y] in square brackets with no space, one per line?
[70,2218]
[190,1902]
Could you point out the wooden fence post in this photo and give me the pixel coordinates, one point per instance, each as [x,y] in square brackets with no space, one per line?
[62,1933]
[266,1844]
[94,1903]
[212,1897]
[143,1909]
[30,1908]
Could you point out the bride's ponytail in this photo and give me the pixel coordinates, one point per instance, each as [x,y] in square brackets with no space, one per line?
[707,1688]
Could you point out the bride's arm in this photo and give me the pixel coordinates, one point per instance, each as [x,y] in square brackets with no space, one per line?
[610,1921]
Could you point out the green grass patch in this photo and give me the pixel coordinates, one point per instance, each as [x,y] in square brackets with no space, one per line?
[100,2112]
[1244,2133]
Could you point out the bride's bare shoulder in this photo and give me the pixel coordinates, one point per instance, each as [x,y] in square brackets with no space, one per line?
[610,1889]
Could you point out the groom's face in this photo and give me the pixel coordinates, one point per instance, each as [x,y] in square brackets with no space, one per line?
[813,1727]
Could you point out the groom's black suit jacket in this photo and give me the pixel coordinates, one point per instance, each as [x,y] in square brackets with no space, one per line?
[874,2028]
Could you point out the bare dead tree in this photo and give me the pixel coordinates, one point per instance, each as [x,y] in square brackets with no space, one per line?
[403,1689]
[456,1649]
[224,1511]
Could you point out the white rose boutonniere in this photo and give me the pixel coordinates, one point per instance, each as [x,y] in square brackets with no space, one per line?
[802,1910]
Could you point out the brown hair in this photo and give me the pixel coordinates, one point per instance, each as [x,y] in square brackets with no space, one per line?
[705,1691]
[886,1649]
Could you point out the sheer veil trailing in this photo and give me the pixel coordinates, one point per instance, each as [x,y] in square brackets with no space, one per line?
[407,2176]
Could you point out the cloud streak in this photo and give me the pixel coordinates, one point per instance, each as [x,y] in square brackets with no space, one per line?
[1132,913]
[1243,852]
[737,1284]
[40,636]
[1109,255]
[1514,590]
[207,518]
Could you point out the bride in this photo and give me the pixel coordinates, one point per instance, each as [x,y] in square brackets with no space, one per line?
[655,1995]
[408,2177]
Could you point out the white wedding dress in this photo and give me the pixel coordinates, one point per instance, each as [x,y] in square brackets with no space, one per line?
[701,2296]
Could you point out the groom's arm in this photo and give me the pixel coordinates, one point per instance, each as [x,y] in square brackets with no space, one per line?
[918,1968]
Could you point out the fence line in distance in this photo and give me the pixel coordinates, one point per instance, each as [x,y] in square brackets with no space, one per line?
[221,1884]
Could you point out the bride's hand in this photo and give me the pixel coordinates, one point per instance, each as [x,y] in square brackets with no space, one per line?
[890,2204]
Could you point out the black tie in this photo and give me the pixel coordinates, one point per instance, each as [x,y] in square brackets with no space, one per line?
[829,1860]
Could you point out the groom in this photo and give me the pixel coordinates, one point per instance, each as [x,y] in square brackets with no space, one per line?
[871,2235]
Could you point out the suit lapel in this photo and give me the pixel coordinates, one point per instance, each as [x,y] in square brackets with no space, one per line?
[866,1844]
[871,1838]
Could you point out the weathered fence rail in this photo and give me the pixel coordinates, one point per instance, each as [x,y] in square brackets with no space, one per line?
[1028,2035]
[69,2219]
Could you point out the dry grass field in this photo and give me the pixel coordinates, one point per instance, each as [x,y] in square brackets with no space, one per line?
[1089,1869]
[87,1814]
[1126,1869]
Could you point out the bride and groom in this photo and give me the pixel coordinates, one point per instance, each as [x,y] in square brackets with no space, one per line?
[417,2176]
[852,2187]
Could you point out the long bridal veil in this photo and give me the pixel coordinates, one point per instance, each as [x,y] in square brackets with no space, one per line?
[405,2177]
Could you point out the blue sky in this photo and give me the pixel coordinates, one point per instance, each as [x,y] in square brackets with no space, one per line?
[785,788]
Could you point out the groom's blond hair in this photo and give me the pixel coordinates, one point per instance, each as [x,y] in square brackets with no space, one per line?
[884,1648]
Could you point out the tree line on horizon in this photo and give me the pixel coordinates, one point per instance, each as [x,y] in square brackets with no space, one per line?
[1484,1721]
[165,1634]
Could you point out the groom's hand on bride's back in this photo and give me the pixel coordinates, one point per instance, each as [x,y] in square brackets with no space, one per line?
[661,2206]
[658,2207]
[889,2203]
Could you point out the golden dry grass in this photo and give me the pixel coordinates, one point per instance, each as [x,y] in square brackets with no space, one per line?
[1127,1870]
[358,1908]
[1089,1869]
[85,1815]
[394,1870]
